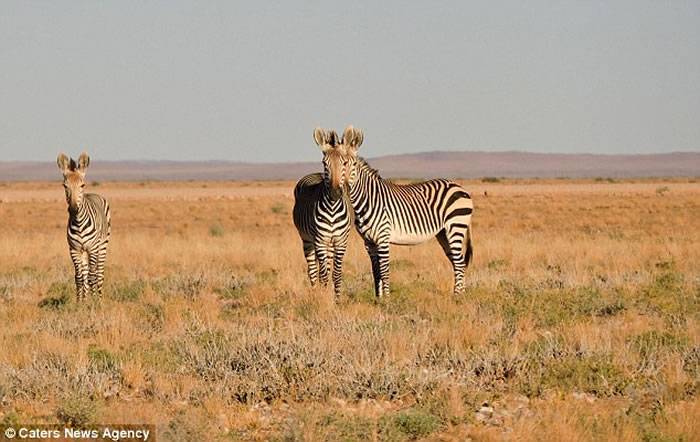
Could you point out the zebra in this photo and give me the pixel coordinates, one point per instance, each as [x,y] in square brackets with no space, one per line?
[322,213]
[388,213]
[89,226]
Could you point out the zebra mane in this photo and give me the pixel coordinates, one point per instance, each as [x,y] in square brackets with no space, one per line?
[364,165]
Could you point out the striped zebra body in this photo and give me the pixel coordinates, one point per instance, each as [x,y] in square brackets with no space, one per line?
[89,226]
[388,213]
[88,235]
[323,223]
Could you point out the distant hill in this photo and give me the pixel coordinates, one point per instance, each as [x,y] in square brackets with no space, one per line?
[420,165]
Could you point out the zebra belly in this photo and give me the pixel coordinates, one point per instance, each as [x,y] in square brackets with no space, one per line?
[410,239]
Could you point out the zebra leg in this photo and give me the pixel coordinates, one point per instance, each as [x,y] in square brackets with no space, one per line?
[453,244]
[383,262]
[312,267]
[97,270]
[322,257]
[81,273]
[338,268]
[374,258]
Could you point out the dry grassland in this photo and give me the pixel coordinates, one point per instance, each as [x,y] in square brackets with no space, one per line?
[581,319]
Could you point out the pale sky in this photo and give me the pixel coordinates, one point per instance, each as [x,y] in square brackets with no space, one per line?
[249,81]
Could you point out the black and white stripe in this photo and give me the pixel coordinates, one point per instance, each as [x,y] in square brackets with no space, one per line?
[88,236]
[323,223]
[322,213]
[89,227]
[388,213]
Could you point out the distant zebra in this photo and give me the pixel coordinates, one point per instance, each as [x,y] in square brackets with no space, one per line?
[322,213]
[387,213]
[89,225]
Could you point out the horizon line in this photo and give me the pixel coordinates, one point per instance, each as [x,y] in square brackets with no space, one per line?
[512,151]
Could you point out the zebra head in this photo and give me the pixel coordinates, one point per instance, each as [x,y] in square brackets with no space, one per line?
[334,161]
[351,142]
[73,179]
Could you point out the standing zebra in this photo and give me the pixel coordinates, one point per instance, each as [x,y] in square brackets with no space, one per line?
[387,213]
[88,226]
[322,213]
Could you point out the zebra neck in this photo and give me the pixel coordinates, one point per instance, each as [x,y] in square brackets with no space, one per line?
[329,201]
[78,217]
[367,181]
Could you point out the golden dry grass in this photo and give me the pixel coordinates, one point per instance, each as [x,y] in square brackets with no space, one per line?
[581,319]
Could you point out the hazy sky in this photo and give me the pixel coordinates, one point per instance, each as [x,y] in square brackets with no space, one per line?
[249,81]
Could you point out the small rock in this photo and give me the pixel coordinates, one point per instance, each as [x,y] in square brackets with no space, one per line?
[485,413]
[583,396]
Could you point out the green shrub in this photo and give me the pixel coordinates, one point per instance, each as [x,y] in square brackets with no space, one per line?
[77,411]
[58,296]
[415,423]
[653,342]
[216,230]
[127,292]
[102,360]
[346,428]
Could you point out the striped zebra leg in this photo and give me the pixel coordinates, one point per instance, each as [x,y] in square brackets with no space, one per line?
[322,255]
[311,263]
[80,262]
[383,254]
[338,257]
[379,255]
[453,242]
[97,270]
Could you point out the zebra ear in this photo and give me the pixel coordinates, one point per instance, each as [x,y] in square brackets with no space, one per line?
[352,138]
[359,138]
[83,162]
[63,162]
[321,137]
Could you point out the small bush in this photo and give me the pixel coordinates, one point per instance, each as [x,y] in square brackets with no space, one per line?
[216,230]
[77,411]
[189,286]
[153,317]
[661,190]
[346,428]
[58,296]
[653,342]
[11,419]
[497,264]
[233,289]
[127,292]
[490,179]
[415,423]
[102,360]
[277,208]
[163,357]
